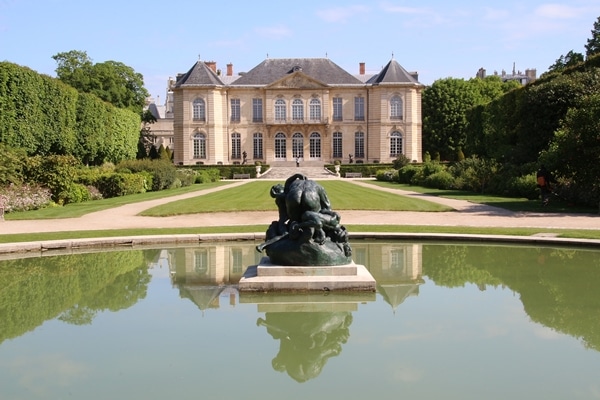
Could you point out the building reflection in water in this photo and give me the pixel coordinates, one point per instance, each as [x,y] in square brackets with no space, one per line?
[311,328]
[203,272]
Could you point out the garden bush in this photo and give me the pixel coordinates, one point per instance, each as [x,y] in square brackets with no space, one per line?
[387,175]
[440,180]
[406,173]
[121,184]
[25,197]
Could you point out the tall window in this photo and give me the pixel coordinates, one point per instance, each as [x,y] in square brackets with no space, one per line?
[359,144]
[297,145]
[199,110]
[280,148]
[236,146]
[359,108]
[315,145]
[201,263]
[396,107]
[337,109]
[337,145]
[257,110]
[257,146]
[395,144]
[315,110]
[199,145]
[280,110]
[235,110]
[297,110]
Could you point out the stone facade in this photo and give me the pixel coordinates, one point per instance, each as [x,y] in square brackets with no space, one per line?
[288,110]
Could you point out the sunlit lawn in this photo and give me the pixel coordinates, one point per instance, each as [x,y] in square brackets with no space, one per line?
[557,205]
[254,196]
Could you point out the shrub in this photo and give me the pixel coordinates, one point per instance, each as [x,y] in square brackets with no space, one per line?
[208,175]
[75,193]
[121,184]
[400,161]
[387,175]
[25,197]
[522,186]
[440,180]
[54,171]
[406,173]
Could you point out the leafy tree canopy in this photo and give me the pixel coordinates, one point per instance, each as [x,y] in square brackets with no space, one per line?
[564,61]
[593,44]
[111,81]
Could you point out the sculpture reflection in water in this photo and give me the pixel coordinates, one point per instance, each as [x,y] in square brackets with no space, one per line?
[306,340]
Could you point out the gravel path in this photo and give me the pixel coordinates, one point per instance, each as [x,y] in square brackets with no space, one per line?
[465,214]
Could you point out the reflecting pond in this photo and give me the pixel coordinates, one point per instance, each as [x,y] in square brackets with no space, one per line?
[452,321]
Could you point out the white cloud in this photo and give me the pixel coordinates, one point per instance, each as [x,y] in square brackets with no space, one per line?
[341,14]
[557,11]
[274,32]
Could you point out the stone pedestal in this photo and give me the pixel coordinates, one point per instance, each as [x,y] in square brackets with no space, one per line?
[268,277]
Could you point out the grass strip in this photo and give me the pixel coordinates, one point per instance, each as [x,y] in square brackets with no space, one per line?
[44,236]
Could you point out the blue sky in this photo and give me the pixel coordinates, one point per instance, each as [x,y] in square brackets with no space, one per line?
[436,38]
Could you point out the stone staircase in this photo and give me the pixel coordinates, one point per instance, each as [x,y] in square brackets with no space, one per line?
[282,172]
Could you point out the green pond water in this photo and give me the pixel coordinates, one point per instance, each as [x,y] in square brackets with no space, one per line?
[448,321]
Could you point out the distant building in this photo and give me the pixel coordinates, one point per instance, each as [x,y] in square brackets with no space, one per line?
[283,110]
[528,76]
[162,129]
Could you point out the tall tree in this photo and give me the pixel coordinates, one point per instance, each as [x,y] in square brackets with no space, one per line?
[75,69]
[112,81]
[446,104]
[564,61]
[593,44]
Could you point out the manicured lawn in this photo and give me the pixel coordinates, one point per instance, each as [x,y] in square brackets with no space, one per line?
[254,196]
[557,205]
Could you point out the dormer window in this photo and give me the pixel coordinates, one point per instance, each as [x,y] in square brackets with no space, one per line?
[296,68]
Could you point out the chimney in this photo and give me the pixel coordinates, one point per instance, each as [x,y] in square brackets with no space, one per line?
[230,69]
[212,65]
[361,68]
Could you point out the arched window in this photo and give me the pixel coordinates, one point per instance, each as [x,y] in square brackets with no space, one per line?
[395,144]
[315,110]
[280,114]
[236,146]
[297,110]
[315,145]
[199,145]
[298,145]
[280,147]
[257,145]
[396,107]
[199,110]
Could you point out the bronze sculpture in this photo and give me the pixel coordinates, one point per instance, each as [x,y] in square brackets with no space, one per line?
[308,232]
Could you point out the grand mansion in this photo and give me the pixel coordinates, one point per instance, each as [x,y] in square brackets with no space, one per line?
[292,109]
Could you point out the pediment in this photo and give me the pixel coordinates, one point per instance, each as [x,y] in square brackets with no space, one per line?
[297,80]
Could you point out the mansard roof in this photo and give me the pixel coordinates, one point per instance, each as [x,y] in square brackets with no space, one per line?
[199,75]
[274,69]
[393,73]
